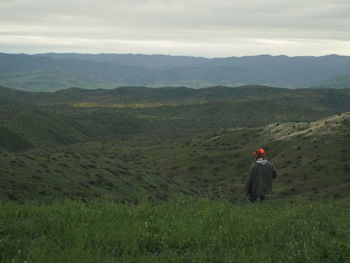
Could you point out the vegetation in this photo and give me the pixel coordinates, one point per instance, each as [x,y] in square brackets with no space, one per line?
[47,177]
[52,151]
[77,115]
[181,231]
[160,177]
[216,162]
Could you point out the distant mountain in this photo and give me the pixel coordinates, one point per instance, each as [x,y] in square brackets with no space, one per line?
[50,72]
[156,62]
[339,82]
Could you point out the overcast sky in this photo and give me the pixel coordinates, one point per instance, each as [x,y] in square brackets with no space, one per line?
[209,28]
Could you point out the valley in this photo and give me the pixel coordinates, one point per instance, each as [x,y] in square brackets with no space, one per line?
[53,148]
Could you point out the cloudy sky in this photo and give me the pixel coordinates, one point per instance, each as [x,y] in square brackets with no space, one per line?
[209,28]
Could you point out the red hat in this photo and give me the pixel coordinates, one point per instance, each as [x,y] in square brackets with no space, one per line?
[259,152]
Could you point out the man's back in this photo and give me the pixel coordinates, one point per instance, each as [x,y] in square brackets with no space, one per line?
[261,174]
[259,181]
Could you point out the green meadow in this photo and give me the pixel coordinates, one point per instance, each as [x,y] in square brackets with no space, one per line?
[186,230]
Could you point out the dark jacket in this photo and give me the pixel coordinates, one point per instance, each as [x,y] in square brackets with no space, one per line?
[259,180]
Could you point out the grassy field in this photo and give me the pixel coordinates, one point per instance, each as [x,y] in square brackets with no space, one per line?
[177,231]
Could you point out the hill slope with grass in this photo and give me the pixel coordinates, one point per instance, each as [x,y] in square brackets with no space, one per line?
[310,158]
[46,176]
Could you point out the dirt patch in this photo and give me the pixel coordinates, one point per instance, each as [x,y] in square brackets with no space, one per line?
[328,125]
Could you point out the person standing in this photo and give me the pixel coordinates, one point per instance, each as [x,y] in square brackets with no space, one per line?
[259,181]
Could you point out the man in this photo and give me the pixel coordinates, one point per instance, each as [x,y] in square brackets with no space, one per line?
[259,181]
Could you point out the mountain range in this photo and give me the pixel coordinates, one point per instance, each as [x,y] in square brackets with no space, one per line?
[55,71]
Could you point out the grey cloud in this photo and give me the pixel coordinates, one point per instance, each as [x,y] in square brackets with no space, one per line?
[181,23]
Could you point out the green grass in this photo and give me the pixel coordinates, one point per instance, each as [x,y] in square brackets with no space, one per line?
[178,231]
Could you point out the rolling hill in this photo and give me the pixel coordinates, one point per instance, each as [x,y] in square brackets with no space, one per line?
[76,115]
[133,96]
[134,143]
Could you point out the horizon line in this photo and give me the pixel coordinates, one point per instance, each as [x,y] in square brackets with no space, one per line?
[169,55]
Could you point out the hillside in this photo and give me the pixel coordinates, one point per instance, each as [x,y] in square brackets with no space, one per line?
[309,156]
[137,143]
[51,72]
[212,164]
[54,175]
